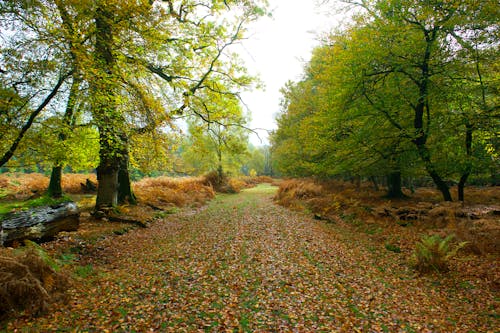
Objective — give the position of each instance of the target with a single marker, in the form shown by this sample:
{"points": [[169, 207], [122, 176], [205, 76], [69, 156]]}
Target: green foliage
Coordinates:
{"points": [[390, 93], [258, 162], [47, 259], [220, 144], [84, 271], [67, 258], [392, 248], [432, 253], [46, 201], [125, 70], [7, 207]]}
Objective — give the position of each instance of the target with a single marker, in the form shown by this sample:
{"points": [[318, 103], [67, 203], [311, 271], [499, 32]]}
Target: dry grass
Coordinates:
{"points": [[21, 186], [253, 181], [180, 192], [294, 191], [233, 184], [71, 182]]}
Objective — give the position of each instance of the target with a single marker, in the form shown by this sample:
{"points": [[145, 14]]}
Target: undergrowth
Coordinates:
{"points": [[29, 282], [364, 210], [433, 253], [164, 191]]}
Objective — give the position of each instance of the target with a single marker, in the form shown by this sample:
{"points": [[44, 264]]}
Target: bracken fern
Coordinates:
{"points": [[434, 252]]}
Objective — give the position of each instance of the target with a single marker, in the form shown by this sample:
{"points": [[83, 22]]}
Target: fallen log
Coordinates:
{"points": [[39, 224]]}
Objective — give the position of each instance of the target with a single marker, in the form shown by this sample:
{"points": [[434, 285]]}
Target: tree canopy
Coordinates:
{"points": [[125, 69], [407, 87]]}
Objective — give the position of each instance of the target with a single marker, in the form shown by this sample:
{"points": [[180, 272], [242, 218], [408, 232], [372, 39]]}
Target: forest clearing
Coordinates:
{"points": [[163, 167], [243, 263]]}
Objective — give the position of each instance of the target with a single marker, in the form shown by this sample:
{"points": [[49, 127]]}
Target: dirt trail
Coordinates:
{"points": [[244, 264]]}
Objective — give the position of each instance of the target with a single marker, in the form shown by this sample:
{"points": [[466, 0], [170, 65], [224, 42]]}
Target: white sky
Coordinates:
{"points": [[277, 50]]}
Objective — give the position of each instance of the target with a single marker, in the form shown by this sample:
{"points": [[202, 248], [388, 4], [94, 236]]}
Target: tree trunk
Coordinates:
{"points": [[125, 193], [394, 185], [422, 107], [358, 182], [429, 166], [55, 187], [105, 111], [468, 167], [220, 170], [373, 179], [461, 186], [107, 189]]}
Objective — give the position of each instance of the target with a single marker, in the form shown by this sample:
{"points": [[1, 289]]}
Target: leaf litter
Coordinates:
{"points": [[244, 264]]}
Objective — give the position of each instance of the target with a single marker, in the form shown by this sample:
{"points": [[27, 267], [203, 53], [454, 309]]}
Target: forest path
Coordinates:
{"points": [[244, 264]]}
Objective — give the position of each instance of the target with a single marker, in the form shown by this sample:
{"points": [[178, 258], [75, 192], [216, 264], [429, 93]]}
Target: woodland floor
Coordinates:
{"points": [[245, 264]]}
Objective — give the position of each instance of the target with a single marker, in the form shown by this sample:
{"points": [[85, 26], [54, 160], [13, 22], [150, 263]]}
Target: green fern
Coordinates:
{"points": [[434, 253]]}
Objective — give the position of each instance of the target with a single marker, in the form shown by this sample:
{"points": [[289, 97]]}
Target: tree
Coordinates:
{"points": [[380, 96], [218, 136], [411, 43], [140, 61], [32, 70], [259, 161]]}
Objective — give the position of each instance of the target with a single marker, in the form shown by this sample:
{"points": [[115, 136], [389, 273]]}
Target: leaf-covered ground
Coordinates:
{"points": [[244, 264]]}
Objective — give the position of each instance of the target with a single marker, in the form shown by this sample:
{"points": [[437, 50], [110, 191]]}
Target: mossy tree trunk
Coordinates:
{"points": [[125, 193], [105, 110], [55, 188]]}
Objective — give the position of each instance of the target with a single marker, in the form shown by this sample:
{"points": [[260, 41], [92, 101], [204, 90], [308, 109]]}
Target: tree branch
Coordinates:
{"points": [[7, 156]]}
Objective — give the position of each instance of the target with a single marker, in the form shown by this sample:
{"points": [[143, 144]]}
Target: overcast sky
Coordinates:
{"points": [[277, 50]]}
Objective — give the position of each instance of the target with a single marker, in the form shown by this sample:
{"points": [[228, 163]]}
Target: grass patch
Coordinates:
{"points": [[85, 271], [166, 212], [392, 248]]}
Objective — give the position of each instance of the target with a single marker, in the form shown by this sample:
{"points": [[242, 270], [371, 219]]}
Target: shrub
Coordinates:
{"points": [[298, 189], [213, 179], [434, 252], [224, 184]]}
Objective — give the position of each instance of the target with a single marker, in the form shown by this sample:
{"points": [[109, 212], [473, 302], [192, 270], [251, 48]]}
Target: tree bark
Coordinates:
{"points": [[429, 167], [107, 189], [422, 107], [105, 110], [55, 187], [373, 179]]}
